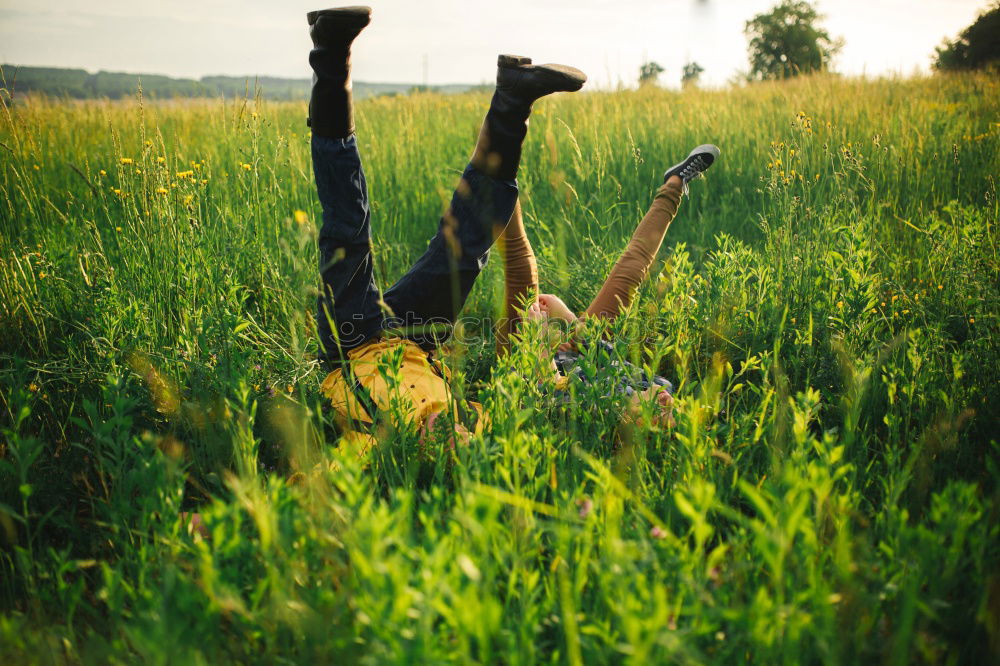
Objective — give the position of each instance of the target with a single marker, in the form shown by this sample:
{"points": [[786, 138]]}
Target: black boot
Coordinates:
{"points": [[519, 84], [332, 31]]}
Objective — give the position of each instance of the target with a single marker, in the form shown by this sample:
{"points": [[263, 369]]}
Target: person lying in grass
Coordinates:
{"points": [[379, 346], [521, 286]]}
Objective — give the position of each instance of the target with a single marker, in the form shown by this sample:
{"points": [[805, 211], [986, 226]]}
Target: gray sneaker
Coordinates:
{"points": [[697, 161]]}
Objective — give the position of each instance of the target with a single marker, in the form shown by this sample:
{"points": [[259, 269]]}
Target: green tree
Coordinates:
{"points": [[976, 47], [786, 41], [690, 74], [649, 72]]}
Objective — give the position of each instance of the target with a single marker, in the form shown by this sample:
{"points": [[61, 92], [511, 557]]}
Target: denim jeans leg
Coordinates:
{"points": [[348, 310], [433, 291]]}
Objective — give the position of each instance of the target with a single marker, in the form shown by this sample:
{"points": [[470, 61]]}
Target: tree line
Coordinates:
{"points": [[788, 40]]}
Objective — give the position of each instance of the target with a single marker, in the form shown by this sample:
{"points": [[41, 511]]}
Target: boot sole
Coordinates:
{"points": [[562, 78], [507, 60], [570, 79], [358, 15]]}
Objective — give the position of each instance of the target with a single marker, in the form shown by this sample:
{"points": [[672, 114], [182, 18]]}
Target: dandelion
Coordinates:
{"points": [[148, 143], [118, 229], [126, 160], [138, 172], [161, 160], [840, 305], [246, 167], [41, 276], [301, 217], [102, 172], [185, 174], [38, 168], [972, 320], [204, 181], [162, 190], [188, 199], [33, 387], [940, 286], [906, 312]]}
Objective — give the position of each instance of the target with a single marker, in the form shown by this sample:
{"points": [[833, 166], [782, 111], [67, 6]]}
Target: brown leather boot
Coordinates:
{"points": [[519, 84], [331, 110]]}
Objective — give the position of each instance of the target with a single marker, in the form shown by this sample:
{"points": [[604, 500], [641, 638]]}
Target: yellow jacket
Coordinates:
{"points": [[401, 381]]}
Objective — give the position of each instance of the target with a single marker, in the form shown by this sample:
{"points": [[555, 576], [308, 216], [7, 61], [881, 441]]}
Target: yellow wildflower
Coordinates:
{"points": [[188, 199], [138, 172], [33, 387], [301, 217], [246, 167], [161, 190], [972, 320], [118, 229], [41, 276], [103, 172], [161, 159], [126, 160]]}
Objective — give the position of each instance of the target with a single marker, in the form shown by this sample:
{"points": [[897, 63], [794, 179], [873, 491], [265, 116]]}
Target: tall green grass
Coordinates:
{"points": [[827, 307]]}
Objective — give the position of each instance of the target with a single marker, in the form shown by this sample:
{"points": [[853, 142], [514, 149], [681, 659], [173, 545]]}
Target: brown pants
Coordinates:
{"points": [[521, 269]]}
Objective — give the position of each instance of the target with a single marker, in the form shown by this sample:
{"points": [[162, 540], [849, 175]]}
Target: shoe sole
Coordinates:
{"points": [[563, 77], [358, 15]]}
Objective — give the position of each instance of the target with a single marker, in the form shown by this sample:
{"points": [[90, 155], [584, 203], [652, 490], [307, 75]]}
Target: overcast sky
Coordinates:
{"points": [[458, 39]]}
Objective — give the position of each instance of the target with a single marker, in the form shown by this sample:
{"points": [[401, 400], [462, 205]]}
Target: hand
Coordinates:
{"points": [[458, 435], [534, 312], [663, 416], [554, 307]]}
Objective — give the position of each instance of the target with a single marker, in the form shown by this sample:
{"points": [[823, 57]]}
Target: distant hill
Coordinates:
{"points": [[81, 84]]}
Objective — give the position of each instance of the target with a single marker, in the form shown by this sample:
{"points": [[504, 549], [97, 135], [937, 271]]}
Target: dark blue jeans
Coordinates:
{"points": [[425, 302]]}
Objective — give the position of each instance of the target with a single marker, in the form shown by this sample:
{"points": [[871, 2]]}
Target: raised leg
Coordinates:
{"points": [[520, 270], [349, 308], [632, 267], [426, 301]]}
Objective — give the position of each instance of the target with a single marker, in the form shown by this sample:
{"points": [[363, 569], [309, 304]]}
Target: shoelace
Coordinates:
{"points": [[696, 166]]}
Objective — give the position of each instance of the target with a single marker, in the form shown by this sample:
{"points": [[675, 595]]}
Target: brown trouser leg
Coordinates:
{"points": [[521, 269], [634, 264], [520, 275]]}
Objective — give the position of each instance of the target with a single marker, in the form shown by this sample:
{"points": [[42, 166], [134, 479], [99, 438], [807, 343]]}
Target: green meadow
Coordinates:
{"points": [[826, 304]]}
